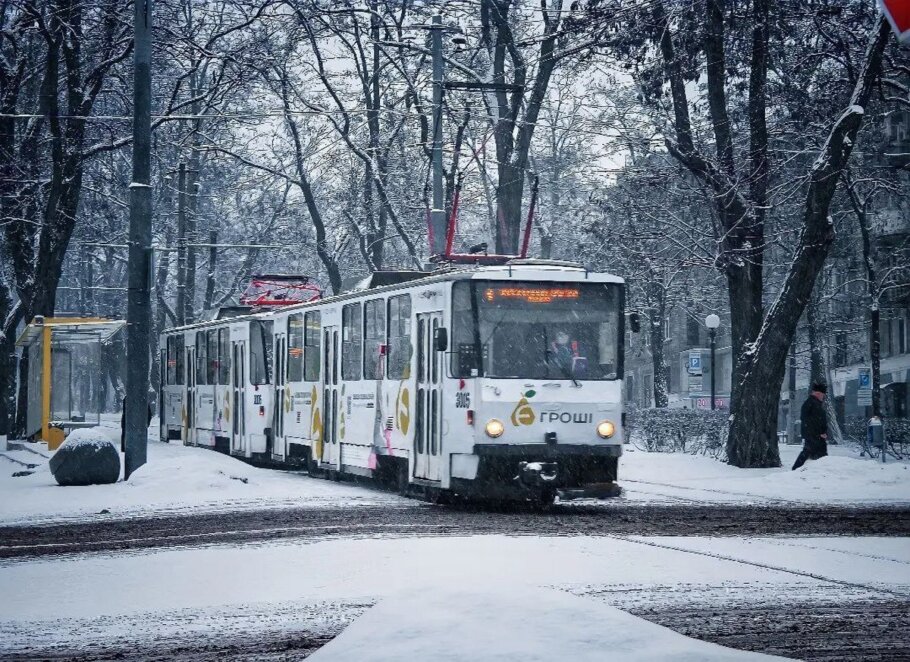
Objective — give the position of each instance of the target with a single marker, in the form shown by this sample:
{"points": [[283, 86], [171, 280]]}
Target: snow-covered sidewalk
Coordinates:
{"points": [[177, 480], [842, 478]]}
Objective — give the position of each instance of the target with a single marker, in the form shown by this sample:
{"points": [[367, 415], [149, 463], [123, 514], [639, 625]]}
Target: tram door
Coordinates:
{"points": [[279, 408], [331, 396], [189, 398], [238, 396], [427, 436]]}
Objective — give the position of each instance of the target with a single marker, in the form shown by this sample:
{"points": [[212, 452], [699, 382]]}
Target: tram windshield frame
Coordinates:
{"points": [[550, 330]]}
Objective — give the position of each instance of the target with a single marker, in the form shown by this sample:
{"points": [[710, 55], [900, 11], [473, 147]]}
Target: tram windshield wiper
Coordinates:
{"points": [[569, 373]]}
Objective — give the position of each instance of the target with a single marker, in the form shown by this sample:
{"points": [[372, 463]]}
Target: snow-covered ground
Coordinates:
{"points": [[842, 478], [522, 597], [518, 624], [179, 479], [476, 588]]}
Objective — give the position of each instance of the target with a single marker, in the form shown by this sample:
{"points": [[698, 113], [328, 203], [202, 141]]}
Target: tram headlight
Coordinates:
{"points": [[494, 428], [606, 429]]}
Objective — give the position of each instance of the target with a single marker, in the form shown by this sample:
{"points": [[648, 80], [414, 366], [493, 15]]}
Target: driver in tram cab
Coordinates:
{"points": [[561, 353]]}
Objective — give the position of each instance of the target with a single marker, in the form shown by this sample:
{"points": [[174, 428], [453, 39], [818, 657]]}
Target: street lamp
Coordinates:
{"points": [[712, 321]]}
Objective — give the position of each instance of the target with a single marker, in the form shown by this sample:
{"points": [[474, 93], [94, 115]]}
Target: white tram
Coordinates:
{"points": [[496, 381]]}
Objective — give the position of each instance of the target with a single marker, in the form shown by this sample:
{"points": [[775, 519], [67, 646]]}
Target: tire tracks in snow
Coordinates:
{"points": [[571, 519], [767, 566]]}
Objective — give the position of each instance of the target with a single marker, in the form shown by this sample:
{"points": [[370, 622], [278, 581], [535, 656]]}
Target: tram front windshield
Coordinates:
{"points": [[509, 330]]}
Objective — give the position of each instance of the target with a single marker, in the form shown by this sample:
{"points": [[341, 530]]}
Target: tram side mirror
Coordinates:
{"points": [[440, 339], [634, 322]]}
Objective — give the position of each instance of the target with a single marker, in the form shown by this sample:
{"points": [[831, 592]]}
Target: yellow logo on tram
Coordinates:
{"points": [[523, 414], [403, 410], [315, 425]]}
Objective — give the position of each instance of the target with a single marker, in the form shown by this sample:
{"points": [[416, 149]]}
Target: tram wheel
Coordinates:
{"points": [[312, 466], [546, 497], [439, 497], [402, 478]]}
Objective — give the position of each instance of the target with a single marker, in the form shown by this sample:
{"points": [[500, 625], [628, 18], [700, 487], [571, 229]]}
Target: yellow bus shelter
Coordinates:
{"points": [[64, 374]]}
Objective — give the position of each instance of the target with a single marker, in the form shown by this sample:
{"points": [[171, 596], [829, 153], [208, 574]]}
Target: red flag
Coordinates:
{"points": [[898, 14]]}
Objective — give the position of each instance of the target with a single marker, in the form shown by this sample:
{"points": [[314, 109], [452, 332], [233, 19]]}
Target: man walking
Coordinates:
{"points": [[813, 426]]}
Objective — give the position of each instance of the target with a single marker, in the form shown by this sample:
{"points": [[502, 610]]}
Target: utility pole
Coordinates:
{"points": [[138, 312], [189, 283], [437, 214], [181, 244], [210, 276]]}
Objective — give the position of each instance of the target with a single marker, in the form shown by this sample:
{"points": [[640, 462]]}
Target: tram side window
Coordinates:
{"points": [[211, 351], [311, 345], [260, 351], [171, 362], [351, 342], [175, 360], [180, 350], [295, 348], [224, 356], [399, 337], [373, 337], [201, 361]]}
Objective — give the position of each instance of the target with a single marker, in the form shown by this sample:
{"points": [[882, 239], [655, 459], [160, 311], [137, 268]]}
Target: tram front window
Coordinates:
{"points": [[510, 330]]}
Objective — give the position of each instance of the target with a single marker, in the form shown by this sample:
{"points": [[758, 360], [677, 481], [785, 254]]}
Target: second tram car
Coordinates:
{"points": [[493, 381]]}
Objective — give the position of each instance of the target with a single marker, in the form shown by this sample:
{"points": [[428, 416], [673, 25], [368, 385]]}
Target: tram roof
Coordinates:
{"points": [[528, 269]]}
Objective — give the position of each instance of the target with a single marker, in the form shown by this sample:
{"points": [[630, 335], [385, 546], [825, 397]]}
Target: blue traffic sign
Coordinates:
{"points": [[865, 378]]}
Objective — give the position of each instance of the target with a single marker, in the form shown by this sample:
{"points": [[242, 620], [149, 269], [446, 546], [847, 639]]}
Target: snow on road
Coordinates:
{"points": [[85, 600]]}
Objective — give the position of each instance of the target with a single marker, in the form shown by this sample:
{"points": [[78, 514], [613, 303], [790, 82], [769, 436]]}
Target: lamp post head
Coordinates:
{"points": [[712, 321]]}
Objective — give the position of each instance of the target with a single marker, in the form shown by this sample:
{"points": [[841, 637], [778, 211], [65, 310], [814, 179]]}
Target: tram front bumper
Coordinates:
{"points": [[549, 466], [547, 451]]}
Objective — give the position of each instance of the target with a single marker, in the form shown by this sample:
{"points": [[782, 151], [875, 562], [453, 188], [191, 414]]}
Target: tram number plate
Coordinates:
{"points": [[462, 400], [257, 399]]}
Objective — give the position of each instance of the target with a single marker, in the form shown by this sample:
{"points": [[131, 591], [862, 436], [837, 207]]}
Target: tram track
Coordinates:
{"points": [[776, 501], [570, 519]]}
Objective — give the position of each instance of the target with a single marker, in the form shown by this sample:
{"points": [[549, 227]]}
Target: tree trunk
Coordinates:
{"points": [[7, 362], [872, 287], [508, 209], [180, 305], [160, 313], [818, 369], [210, 275], [657, 313], [752, 440]]}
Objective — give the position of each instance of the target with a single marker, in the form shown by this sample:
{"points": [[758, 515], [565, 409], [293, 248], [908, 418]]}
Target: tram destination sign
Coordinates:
{"points": [[535, 294]]}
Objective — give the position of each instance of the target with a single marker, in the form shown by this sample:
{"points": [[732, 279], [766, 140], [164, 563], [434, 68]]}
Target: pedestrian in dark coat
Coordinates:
{"points": [[813, 426]]}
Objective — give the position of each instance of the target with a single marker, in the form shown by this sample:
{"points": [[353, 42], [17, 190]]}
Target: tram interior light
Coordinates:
{"points": [[494, 428], [606, 429]]}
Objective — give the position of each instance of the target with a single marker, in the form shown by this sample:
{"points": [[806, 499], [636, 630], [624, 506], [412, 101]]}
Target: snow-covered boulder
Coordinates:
{"points": [[87, 457]]}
